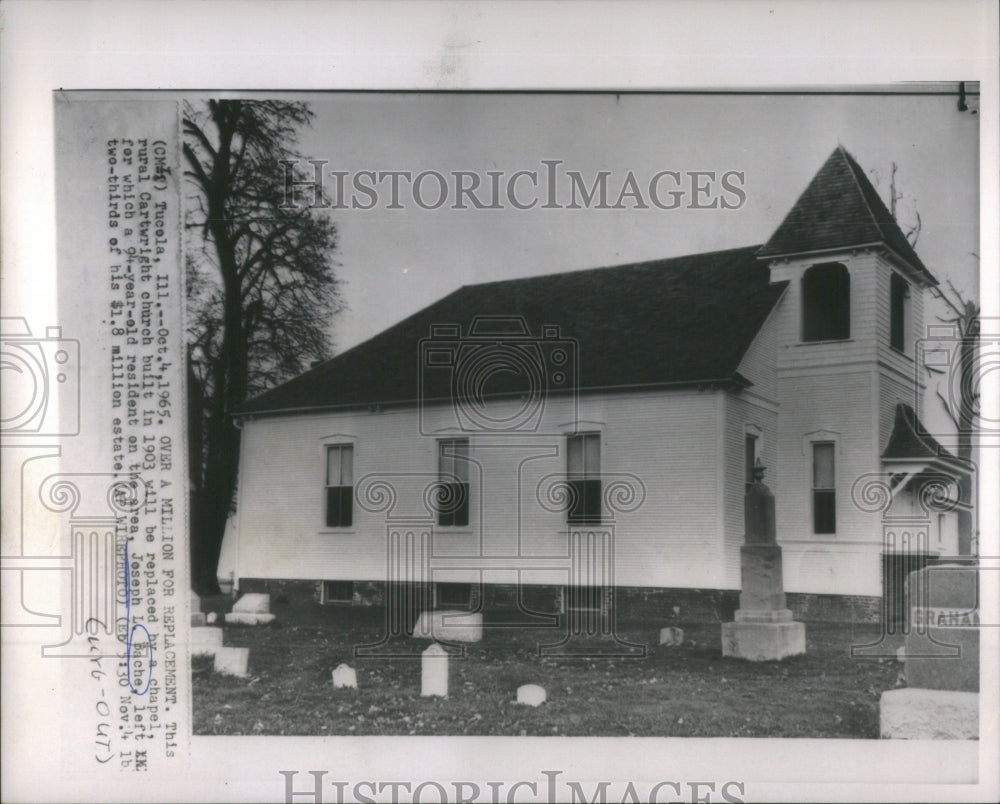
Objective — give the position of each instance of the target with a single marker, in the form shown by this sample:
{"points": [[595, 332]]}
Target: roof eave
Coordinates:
{"points": [[734, 382], [945, 464], [920, 270]]}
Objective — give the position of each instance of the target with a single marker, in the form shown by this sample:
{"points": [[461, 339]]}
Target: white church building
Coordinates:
{"points": [[564, 437]]}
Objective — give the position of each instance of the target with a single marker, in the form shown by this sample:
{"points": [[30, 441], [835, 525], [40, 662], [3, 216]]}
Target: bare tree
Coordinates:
{"points": [[962, 407], [261, 290]]}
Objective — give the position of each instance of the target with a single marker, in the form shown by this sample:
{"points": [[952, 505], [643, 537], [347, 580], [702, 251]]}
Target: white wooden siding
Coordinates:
{"points": [[792, 351], [838, 404], [668, 440], [759, 363]]}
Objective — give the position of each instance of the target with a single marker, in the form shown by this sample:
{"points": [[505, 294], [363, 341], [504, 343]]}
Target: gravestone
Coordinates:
{"points": [[763, 629], [671, 636], [345, 676], [205, 641], [531, 695], [251, 609], [942, 645], [449, 626], [941, 651], [232, 661], [434, 671], [253, 603]]}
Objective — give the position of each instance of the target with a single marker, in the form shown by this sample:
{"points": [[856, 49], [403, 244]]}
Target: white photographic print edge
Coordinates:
{"points": [[452, 47]]}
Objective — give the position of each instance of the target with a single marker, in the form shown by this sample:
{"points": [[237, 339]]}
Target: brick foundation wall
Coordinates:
{"points": [[700, 605]]}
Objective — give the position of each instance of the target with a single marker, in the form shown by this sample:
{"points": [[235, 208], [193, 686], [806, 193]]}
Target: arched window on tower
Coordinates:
{"points": [[826, 303]]}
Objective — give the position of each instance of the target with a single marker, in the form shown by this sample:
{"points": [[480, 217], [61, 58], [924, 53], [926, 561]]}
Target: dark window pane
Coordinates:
{"points": [[338, 591], [453, 488], [897, 328], [339, 506], [824, 512], [585, 502], [453, 504], [454, 594], [826, 303]]}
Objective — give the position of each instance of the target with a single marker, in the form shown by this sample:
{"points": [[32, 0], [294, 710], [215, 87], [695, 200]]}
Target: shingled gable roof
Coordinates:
{"points": [[838, 209], [687, 320], [910, 441]]}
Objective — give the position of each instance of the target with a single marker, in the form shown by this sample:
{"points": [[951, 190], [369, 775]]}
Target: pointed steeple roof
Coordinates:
{"points": [[839, 209]]}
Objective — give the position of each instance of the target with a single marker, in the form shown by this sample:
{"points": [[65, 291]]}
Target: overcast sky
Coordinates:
{"points": [[395, 261]]}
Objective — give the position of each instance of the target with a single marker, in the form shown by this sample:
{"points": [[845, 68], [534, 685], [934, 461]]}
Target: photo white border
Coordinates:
{"points": [[314, 45]]}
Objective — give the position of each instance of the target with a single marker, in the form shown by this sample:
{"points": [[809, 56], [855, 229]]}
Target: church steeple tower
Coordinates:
{"points": [[841, 209], [846, 331]]}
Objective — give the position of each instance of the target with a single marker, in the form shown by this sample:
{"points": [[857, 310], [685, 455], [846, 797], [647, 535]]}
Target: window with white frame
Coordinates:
{"points": [[824, 487], [453, 482], [339, 485], [583, 473]]}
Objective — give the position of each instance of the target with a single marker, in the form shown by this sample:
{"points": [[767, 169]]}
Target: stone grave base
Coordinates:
{"points": [[449, 626], [248, 618], [763, 636], [913, 713], [253, 603]]}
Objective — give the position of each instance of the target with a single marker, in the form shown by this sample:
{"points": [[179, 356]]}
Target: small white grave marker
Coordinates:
{"points": [[434, 671], [345, 676], [531, 695], [232, 661], [205, 641]]}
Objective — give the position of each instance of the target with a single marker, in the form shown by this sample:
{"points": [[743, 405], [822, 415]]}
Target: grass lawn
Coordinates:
{"points": [[686, 691]]}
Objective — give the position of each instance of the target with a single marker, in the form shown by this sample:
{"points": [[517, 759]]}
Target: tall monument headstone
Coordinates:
{"points": [[763, 629]]}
